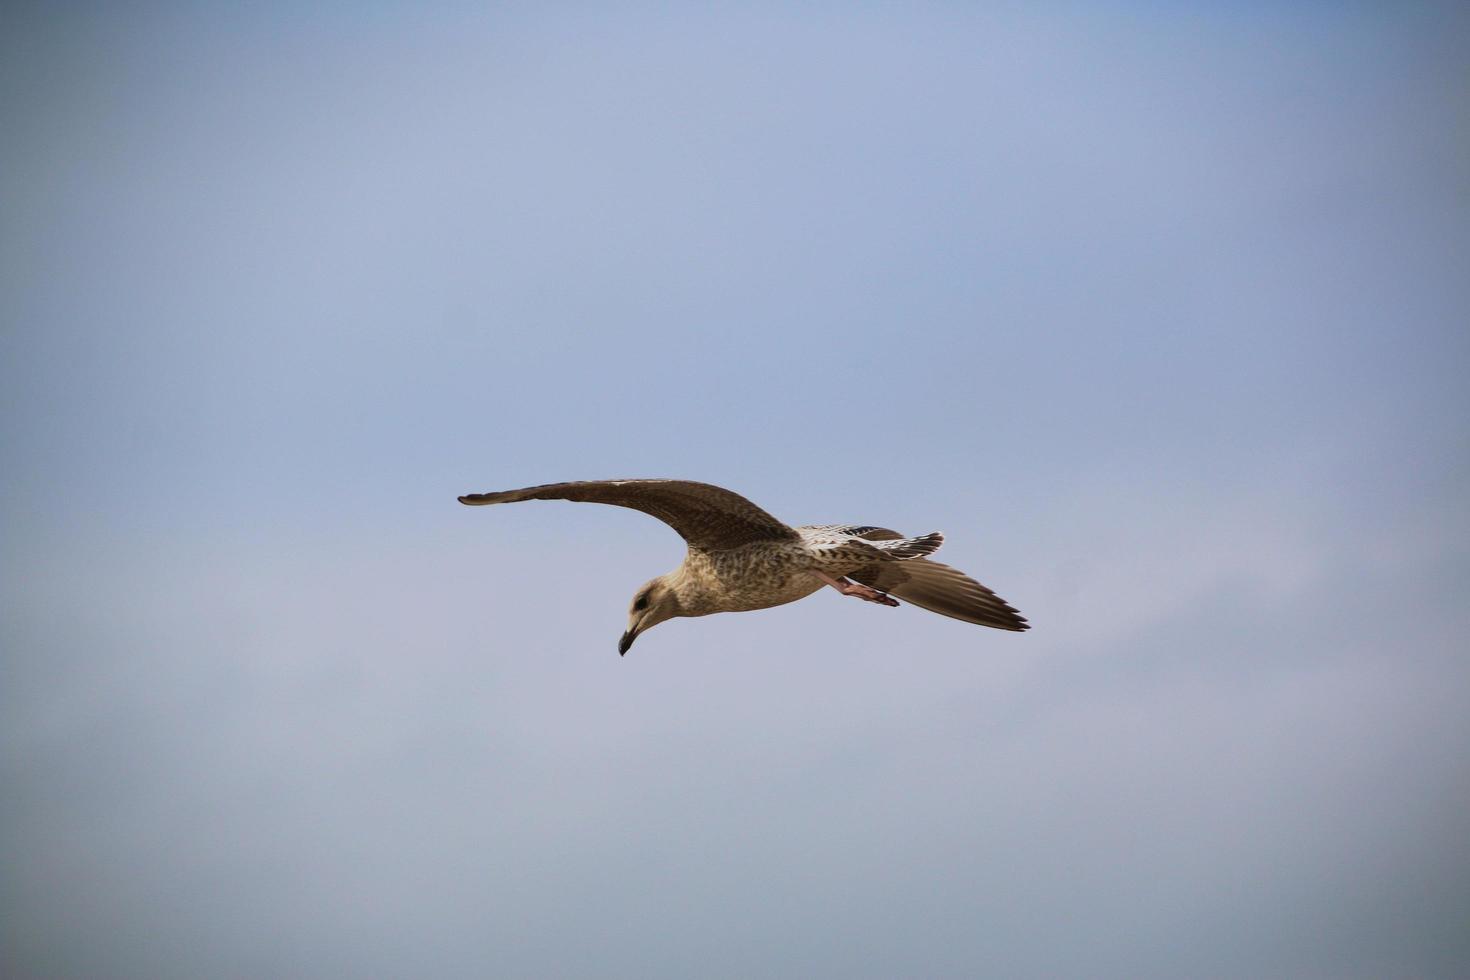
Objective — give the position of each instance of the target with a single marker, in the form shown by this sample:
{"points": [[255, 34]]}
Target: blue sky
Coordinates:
{"points": [[1158, 313]]}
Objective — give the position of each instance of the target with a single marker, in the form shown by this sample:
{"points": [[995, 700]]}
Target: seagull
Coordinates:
{"points": [[741, 558]]}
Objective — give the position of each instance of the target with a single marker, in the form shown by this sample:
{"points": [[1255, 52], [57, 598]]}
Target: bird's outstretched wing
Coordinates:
{"points": [[941, 589], [710, 518]]}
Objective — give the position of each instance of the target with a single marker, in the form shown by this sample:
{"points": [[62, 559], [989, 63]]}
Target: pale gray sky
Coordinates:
{"points": [[1159, 314]]}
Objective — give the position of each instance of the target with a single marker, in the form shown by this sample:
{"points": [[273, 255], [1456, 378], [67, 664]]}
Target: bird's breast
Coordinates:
{"points": [[753, 577]]}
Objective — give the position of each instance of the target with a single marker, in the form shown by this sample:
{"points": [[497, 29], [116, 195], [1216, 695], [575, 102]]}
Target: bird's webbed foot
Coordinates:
{"points": [[865, 592], [869, 594]]}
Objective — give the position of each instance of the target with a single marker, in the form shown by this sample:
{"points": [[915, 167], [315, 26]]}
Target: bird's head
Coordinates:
{"points": [[654, 602]]}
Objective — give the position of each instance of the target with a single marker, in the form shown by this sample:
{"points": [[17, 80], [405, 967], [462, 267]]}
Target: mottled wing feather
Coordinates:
{"points": [[708, 517], [889, 546], [857, 530], [941, 589]]}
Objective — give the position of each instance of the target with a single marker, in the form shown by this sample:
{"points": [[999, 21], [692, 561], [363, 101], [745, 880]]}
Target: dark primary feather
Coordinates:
{"points": [[941, 589], [707, 517]]}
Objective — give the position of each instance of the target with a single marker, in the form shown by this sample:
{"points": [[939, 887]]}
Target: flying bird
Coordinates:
{"points": [[741, 558]]}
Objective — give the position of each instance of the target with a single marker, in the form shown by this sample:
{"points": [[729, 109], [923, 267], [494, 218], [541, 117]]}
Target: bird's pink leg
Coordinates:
{"points": [[855, 588]]}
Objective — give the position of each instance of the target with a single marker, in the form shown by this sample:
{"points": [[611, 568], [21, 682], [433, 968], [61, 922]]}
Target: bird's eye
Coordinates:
{"points": [[642, 603]]}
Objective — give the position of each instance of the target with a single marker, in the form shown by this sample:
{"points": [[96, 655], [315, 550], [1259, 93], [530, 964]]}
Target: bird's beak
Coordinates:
{"points": [[626, 641]]}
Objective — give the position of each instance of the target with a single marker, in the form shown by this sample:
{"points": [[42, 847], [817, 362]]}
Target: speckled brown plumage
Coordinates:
{"points": [[741, 558]]}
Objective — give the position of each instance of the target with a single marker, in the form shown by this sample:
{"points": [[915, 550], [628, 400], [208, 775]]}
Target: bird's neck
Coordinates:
{"points": [[691, 589]]}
